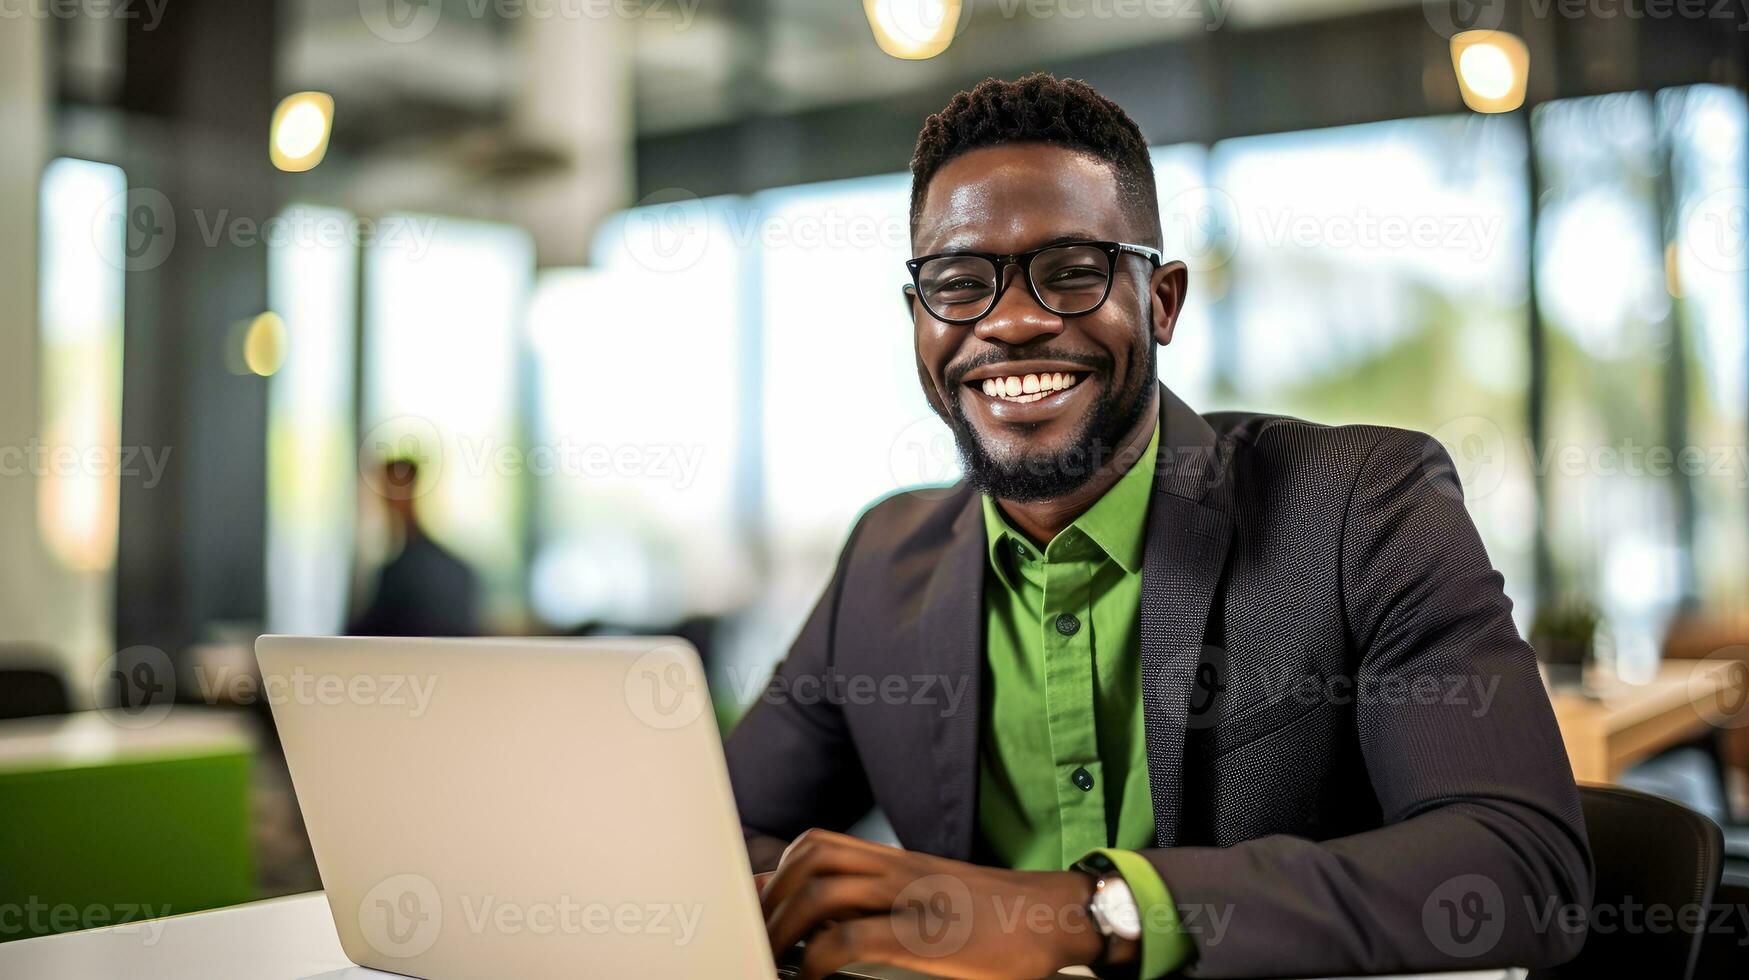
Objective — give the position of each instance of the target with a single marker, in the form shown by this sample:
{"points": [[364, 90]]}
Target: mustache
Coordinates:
{"points": [[955, 374]]}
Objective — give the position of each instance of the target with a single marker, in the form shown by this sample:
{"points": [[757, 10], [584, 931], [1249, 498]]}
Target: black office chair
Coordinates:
{"points": [[1648, 851], [1723, 953], [26, 692]]}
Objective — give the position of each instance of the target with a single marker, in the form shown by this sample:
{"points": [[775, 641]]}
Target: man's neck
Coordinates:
{"points": [[1043, 520]]}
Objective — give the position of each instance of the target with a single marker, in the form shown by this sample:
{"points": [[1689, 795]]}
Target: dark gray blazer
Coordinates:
{"points": [[1353, 762]]}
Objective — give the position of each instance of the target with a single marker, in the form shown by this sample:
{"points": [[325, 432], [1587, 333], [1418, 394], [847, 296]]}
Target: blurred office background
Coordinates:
{"points": [[623, 278]]}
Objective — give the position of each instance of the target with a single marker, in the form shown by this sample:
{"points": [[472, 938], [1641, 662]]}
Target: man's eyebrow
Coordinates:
{"points": [[958, 244]]}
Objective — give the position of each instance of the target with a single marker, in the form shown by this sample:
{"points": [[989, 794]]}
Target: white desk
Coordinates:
{"points": [[98, 738], [280, 939]]}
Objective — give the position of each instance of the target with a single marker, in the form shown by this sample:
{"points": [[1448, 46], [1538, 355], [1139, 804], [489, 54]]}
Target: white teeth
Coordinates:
{"points": [[1027, 388]]}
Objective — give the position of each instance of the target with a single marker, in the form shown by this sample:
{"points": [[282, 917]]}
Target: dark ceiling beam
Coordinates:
{"points": [[1385, 64]]}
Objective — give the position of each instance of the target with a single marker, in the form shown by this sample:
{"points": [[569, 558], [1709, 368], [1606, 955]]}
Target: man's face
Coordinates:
{"points": [[1096, 371]]}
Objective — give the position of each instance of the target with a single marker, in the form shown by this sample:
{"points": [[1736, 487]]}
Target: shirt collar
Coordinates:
{"points": [[1116, 522]]}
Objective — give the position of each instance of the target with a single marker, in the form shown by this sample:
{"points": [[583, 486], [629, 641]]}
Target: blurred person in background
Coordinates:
{"points": [[425, 590], [1171, 653]]}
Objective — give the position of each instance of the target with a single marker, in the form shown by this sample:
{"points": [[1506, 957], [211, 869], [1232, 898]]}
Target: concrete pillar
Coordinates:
{"points": [[42, 603], [575, 96]]}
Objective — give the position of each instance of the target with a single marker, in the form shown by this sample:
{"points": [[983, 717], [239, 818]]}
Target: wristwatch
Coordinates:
{"points": [[1113, 907]]}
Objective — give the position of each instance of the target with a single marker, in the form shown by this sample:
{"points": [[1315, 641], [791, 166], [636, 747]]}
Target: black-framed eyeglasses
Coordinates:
{"points": [[1067, 278]]}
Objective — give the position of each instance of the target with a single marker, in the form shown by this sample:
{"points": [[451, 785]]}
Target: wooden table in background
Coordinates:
{"points": [[1619, 723]]}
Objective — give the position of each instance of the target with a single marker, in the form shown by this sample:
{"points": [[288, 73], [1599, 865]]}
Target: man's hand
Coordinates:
{"points": [[857, 902]]}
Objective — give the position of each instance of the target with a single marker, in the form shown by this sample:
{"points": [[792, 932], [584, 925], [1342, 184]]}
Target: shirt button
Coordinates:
{"points": [[1020, 550], [1082, 779], [1067, 624]]}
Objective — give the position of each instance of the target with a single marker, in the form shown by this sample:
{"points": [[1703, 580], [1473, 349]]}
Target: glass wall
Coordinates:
{"points": [[1611, 515], [312, 283], [444, 306], [845, 419], [1378, 276], [638, 391], [84, 253], [1195, 224], [1708, 230]]}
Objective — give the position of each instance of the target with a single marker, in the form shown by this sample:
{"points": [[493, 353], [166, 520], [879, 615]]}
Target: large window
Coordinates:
{"points": [[1610, 513], [1377, 275], [311, 458], [845, 419], [1194, 218], [444, 308], [1707, 128], [84, 253], [639, 411]]}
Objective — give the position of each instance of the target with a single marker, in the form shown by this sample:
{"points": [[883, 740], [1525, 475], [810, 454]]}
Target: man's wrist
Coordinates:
{"points": [[1112, 912], [1077, 938]]}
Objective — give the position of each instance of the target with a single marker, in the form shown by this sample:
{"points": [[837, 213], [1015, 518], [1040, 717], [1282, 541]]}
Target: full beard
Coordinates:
{"points": [[1029, 477]]}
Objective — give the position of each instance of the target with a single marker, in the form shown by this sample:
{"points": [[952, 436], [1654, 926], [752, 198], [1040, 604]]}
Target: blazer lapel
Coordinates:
{"points": [[953, 637], [1188, 536]]}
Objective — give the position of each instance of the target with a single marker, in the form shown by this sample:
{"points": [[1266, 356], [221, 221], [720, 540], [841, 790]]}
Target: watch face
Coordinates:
{"points": [[1115, 908]]}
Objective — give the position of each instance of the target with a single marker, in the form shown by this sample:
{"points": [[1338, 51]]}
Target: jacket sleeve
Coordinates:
{"points": [[1482, 855], [791, 759]]}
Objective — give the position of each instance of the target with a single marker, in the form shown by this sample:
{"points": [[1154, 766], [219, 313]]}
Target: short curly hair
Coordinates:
{"points": [[1041, 107]]}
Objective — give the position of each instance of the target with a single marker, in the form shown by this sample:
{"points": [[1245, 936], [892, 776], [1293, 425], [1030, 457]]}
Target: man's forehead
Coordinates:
{"points": [[1014, 197]]}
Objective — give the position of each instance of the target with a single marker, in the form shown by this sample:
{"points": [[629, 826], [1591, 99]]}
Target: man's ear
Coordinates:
{"points": [[923, 378], [1169, 284]]}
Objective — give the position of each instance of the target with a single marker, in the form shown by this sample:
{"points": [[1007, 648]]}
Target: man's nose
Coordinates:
{"points": [[1018, 317]]}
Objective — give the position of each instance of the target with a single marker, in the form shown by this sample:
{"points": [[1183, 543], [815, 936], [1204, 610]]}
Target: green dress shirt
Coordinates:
{"points": [[1063, 764]]}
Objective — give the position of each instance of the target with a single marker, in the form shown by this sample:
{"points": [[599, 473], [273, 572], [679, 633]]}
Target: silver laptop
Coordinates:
{"points": [[518, 807]]}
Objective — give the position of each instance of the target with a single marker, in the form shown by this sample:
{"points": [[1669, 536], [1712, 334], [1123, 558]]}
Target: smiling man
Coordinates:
{"points": [[1244, 696]]}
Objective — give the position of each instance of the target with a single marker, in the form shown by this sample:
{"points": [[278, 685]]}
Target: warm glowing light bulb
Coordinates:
{"points": [[1492, 69], [1486, 70], [301, 130], [301, 126], [264, 344], [913, 29]]}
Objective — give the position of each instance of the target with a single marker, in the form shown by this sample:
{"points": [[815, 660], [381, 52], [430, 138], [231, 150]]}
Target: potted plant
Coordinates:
{"points": [[1564, 633]]}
